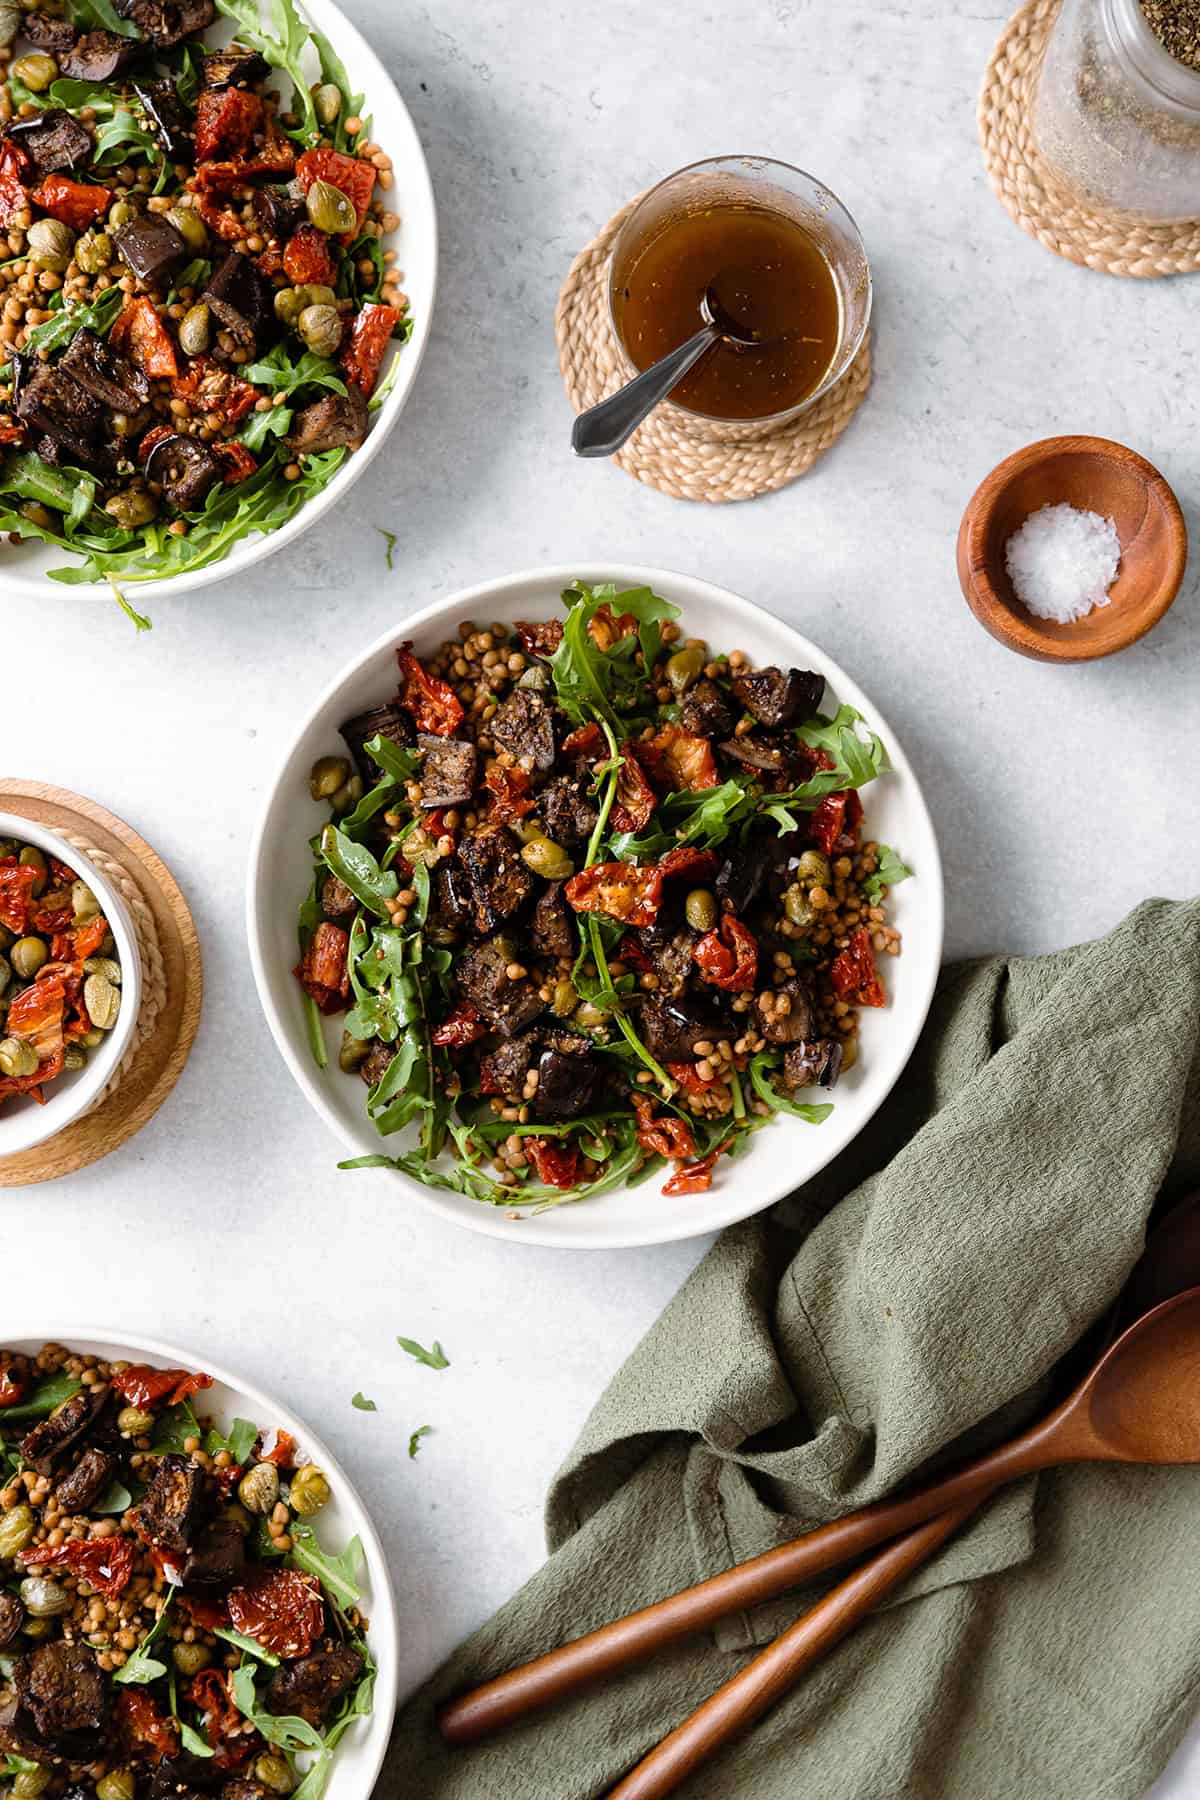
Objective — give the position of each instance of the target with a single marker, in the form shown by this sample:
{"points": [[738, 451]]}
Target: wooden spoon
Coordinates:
{"points": [[1140, 1404]]}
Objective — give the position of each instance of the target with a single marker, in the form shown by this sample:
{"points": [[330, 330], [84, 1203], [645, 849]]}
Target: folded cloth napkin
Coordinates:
{"points": [[821, 1355]]}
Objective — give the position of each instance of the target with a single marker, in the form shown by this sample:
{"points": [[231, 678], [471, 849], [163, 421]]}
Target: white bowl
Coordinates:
{"points": [[360, 1754], [785, 1153], [23, 1123], [25, 564]]}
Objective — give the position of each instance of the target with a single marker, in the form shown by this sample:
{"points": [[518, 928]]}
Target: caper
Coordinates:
{"points": [[588, 1016], [195, 330], [327, 101], [814, 869], [131, 507], [133, 1422], [31, 1784], [17, 1058], [352, 1054], [103, 965], [189, 1659], [50, 244], [565, 998], [347, 796], [94, 252], [37, 514], [44, 1599], [684, 667], [121, 1784], [796, 906], [122, 212], [288, 305], [311, 293], [16, 1531], [37, 1628], [74, 1058], [103, 1001], [190, 226], [320, 328], [419, 847], [271, 1770], [35, 72], [327, 775], [329, 209], [10, 22], [258, 1490], [32, 858], [700, 909], [310, 1490], [122, 424], [92, 1037], [546, 858]]}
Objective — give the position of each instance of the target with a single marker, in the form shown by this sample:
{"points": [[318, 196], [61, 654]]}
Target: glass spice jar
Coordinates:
{"points": [[1116, 115]]}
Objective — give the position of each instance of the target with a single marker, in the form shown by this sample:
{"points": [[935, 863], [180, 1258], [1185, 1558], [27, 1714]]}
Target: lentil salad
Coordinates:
{"points": [[197, 302], [594, 899], [171, 1624]]}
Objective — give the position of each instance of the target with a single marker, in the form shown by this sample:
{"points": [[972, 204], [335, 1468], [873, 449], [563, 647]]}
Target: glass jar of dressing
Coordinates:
{"points": [[784, 259], [1116, 114]]}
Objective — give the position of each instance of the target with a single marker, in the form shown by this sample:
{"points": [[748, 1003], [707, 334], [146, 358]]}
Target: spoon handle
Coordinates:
{"points": [[756, 1688], [603, 428]]}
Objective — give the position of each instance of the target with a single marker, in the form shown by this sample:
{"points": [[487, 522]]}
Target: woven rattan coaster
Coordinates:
{"points": [[172, 982], [690, 460], [1116, 243]]}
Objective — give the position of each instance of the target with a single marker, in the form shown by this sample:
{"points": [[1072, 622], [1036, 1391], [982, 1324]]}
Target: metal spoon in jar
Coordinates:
{"points": [[603, 428]]}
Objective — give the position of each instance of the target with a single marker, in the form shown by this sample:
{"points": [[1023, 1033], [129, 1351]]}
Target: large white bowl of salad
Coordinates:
{"points": [[218, 251], [594, 907]]}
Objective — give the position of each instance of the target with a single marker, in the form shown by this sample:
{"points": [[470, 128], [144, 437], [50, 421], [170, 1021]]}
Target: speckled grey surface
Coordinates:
{"points": [[1062, 796]]}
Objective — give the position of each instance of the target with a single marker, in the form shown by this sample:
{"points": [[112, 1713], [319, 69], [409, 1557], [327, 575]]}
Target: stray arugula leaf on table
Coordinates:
{"points": [[362, 1404], [432, 1359], [414, 1442]]}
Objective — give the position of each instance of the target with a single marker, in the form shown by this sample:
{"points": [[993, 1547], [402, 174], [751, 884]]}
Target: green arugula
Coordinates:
{"points": [[890, 873], [283, 52], [362, 1404], [116, 1498], [594, 684], [760, 1067], [390, 541], [338, 1575], [141, 1667], [101, 15], [354, 864], [47, 1396], [282, 375], [311, 914], [414, 1442], [68, 318], [239, 1440], [174, 1427], [432, 1359], [249, 1645]]}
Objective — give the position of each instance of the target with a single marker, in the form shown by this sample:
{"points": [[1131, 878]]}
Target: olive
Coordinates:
{"points": [[32, 858], [312, 293], [327, 100], [133, 1422], [130, 508], [700, 909], [258, 1490], [74, 1058], [10, 22], [195, 329], [320, 328], [327, 775], [310, 1490], [121, 1784], [565, 998], [16, 1531], [329, 209], [122, 212], [814, 869], [17, 1058], [190, 226], [271, 1770], [684, 667], [347, 796], [189, 1659], [35, 72], [28, 955], [44, 1599], [353, 1053], [31, 1783], [103, 965], [103, 1001], [94, 252], [50, 244], [546, 858], [796, 907]]}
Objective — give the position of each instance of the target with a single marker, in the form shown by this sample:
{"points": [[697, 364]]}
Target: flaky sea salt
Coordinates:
{"points": [[1062, 562]]}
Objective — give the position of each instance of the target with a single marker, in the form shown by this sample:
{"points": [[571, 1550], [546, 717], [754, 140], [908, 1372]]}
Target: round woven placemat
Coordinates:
{"points": [[172, 982], [1115, 243], [688, 459]]}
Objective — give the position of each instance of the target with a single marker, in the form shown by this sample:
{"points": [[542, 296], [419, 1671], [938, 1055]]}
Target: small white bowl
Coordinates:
{"points": [[23, 1123], [787, 1152], [360, 1754]]}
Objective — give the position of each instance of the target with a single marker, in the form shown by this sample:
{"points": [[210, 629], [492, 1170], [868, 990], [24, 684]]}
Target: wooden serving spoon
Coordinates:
{"points": [[1139, 1404]]}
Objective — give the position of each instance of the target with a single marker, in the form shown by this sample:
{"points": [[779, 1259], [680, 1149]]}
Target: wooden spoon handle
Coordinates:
{"points": [[511, 1696], [757, 1687]]}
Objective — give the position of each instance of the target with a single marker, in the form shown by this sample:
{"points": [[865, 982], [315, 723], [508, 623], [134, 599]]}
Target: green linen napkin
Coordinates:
{"points": [[821, 1355]]}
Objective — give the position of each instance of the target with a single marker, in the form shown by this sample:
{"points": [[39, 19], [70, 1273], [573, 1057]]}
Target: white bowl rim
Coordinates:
{"points": [[73, 1100], [257, 547], [490, 1220], [89, 1338]]}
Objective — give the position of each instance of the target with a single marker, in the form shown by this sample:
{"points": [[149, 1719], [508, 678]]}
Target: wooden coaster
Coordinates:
{"points": [[172, 978], [1116, 243], [690, 459]]}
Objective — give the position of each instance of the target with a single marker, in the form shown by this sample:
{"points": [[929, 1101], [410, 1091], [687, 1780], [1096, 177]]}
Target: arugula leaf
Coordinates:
{"points": [[334, 70], [17, 1765], [354, 864], [116, 1498], [857, 760], [137, 619], [141, 1667], [283, 52], [890, 873], [284, 1731], [362, 1404], [414, 1442], [383, 388], [394, 759], [239, 1441], [432, 1359], [54, 332], [278, 372], [759, 1068], [174, 1428], [338, 1575], [389, 538], [101, 15], [589, 681], [276, 421], [47, 1395], [249, 1645]]}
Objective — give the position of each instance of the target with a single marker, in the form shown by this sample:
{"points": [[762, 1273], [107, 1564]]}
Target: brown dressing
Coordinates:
{"points": [[769, 273]]}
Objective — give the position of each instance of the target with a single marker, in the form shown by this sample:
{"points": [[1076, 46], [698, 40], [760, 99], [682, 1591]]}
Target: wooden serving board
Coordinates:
{"points": [[157, 1061]]}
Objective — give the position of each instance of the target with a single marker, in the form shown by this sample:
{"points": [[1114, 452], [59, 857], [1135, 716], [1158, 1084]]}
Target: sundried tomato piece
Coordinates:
{"points": [[141, 332], [209, 1694], [206, 1610], [278, 1447], [143, 1386], [74, 203], [695, 1177], [13, 197], [36, 1015], [540, 639], [144, 1727], [852, 822], [431, 701], [239, 462], [460, 1027], [272, 158], [825, 826], [155, 435], [584, 742], [512, 793], [323, 971], [728, 956], [280, 1609], [664, 1135], [854, 975], [636, 799], [680, 760], [226, 121], [555, 1165], [632, 894], [307, 258], [104, 1563], [685, 859], [352, 175], [220, 219], [12, 1390], [17, 882], [631, 953], [363, 353], [605, 630]]}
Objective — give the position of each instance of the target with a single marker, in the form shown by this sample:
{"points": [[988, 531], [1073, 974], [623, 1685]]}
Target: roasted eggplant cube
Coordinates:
{"points": [[673, 1028], [780, 696], [278, 212], [100, 56], [52, 141], [499, 881], [233, 67], [176, 1504], [218, 1556], [786, 1014], [105, 374], [55, 35], [387, 721], [509, 1006], [169, 118], [570, 1081], [92, 1474], [524, 725], [568, 810], [243, 300], [49, 1443], [167, 22], [328, 423], [447, 770], [61, 1696], [310, 1689], [705, 711], [185, 469], [816, 1064], [552, 927], [151, 248]]}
